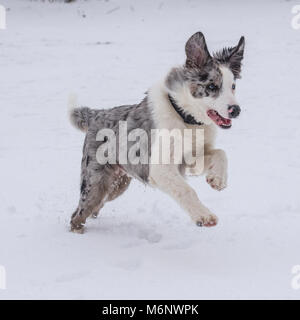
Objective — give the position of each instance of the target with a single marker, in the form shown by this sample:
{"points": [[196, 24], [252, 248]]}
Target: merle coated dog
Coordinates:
{"points": [[197, 95]]}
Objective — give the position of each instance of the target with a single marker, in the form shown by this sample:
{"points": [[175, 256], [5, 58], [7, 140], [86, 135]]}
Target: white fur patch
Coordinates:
{"points": [[165, 117], [226, 97]]}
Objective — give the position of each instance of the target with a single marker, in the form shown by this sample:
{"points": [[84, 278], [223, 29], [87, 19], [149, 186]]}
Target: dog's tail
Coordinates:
{"points": [[79, 117]]}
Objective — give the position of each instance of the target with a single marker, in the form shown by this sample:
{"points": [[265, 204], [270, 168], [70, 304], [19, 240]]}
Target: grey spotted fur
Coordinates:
{"points": [[232, 57], [100, 183]]}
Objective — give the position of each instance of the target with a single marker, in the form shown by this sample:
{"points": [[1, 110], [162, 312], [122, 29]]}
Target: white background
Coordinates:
{"points": [[143, 245]]}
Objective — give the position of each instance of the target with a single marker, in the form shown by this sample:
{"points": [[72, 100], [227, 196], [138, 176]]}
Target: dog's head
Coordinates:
{"points": [[205, 86]]}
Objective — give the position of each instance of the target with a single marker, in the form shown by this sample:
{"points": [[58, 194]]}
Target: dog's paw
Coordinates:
{"points": [[217, 182], [77, 228], [209, 220]]}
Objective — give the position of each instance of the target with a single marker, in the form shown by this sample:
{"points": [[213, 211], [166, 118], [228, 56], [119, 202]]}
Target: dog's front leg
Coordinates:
{"points": [[168, 179], [216, 168]]}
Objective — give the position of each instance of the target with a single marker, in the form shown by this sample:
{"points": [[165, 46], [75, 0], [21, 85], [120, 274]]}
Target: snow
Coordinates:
{"points": [[143, 245]]}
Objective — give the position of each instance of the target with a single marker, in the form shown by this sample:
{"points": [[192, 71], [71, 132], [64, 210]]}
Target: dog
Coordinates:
{"points": [[197, 95]]}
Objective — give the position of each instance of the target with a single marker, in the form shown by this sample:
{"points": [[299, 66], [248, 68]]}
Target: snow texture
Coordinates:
{"points": [[143, 245]]}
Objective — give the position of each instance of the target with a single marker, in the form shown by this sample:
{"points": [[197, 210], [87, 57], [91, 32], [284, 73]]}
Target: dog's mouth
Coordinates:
{"points": [[218, 119]]}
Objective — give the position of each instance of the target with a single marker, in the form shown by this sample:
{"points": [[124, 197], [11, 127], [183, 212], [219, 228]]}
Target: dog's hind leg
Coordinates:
{"points": [[119, 186], [97, 187], [92, 198]]}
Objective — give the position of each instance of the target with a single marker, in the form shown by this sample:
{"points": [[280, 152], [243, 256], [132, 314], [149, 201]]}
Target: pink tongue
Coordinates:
{"points": [[218, 119]]}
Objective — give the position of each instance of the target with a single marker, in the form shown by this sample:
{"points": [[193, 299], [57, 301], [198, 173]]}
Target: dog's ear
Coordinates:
{"points": [[197, 54], [236, 57], [232, 57]]}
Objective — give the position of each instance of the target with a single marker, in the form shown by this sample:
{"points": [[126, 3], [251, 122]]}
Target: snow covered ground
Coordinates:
{"points": [[144, 245]]}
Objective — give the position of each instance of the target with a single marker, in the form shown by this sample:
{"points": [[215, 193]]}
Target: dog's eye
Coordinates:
{"points": [[233, 86], [212, 87]]}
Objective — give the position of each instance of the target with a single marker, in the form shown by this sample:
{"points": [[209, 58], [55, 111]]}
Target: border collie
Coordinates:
{"points": [[199, 95]]}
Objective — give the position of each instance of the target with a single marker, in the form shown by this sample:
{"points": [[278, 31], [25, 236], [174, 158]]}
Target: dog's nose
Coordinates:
{"points": [[234, 111]]}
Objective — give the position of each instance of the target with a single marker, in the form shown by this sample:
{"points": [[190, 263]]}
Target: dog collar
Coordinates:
{"points": [[186, 117]]}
